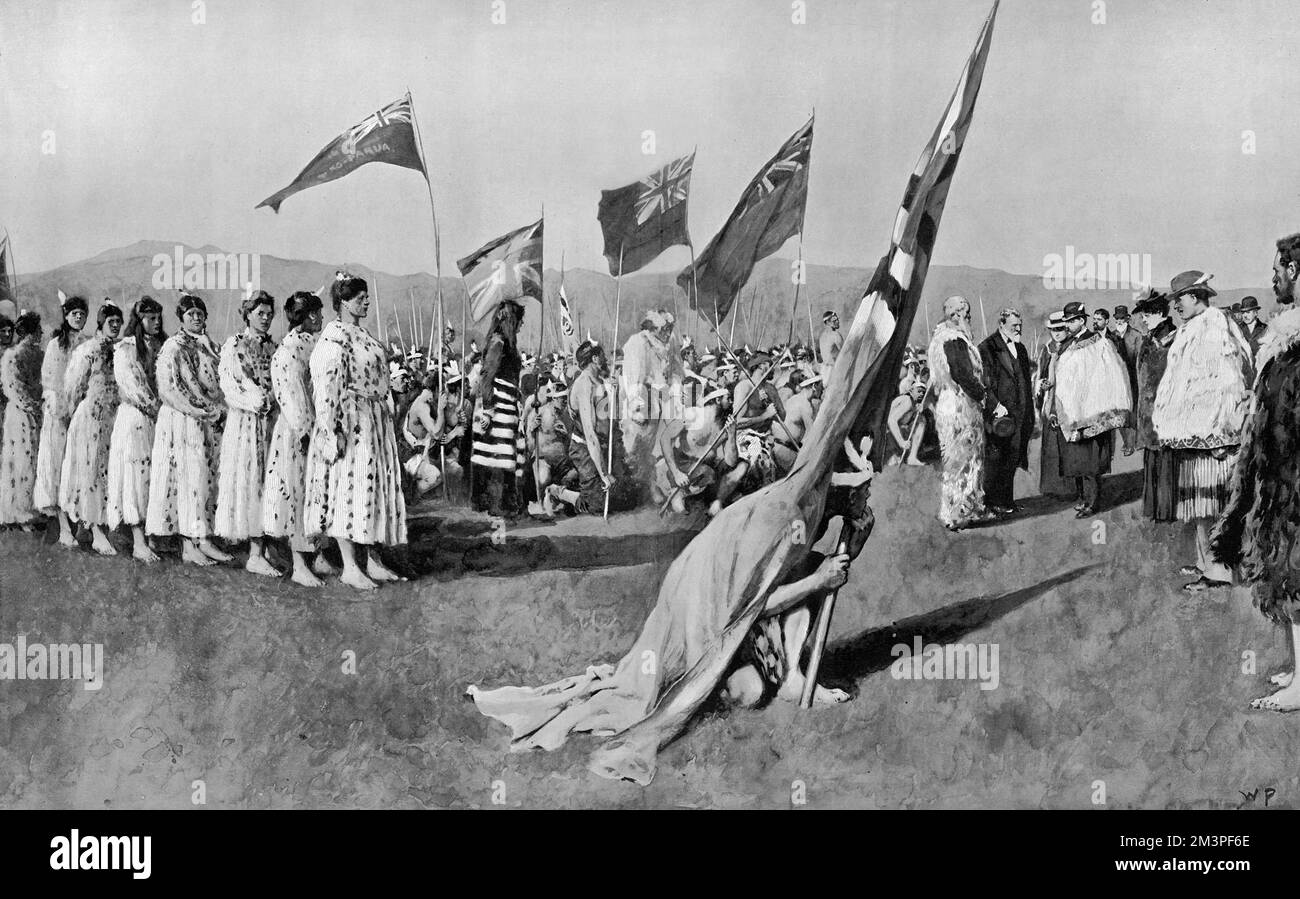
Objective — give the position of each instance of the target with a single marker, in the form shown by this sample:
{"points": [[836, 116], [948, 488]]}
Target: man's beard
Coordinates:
{"points": [[1285, 296], [963, 326]]}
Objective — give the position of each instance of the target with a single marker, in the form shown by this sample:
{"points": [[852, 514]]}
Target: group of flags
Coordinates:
{"points": [[639, 221]]}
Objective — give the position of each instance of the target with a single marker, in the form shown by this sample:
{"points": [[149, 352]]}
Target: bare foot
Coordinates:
{"points": [[714, 508], [195, 556], [322, 566], [99, 543], [378, 572], [354, 578], [67, 539], [144, 553], [1282, 679], [257, 564], [679, 504], [1285, 700], [213, 553], [792, 691], [303, 577]]}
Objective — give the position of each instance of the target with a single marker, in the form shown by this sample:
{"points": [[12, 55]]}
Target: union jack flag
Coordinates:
{"points": [[507, 268], [397, 111], [664, 189], [642, 219]]}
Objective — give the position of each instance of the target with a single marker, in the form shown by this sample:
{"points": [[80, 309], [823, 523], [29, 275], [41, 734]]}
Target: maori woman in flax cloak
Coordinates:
{"points": [[131, 444], [20, 379], [183, 468], [354, 488], [91, 392], [286, 462], [54, 426], [245, 373]]}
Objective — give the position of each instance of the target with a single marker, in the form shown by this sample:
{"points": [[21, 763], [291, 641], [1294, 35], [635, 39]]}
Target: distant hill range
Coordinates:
{"points": [[763, 311]]}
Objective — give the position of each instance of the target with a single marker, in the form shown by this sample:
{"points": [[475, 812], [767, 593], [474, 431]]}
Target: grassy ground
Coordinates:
{"points": [[1107, 673]]}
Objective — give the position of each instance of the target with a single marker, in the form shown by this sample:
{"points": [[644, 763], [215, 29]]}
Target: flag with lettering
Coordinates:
{"points": [[646, 217], [769, 213], [507, 268], [387, 135]]}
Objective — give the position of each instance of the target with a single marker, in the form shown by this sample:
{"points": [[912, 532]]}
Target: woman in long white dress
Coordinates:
{"points": [[354, 490], [131, 444], [20, 379], [286, 464], [245, 374], [90, 390], [183, 466], [54, 424]]}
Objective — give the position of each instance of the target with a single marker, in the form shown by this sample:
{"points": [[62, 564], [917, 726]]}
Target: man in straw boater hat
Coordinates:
{"points": [[1089, 398], [1260, 523], [958, 381], [1251, 326], [1050, 481], [1199, 412], [1159, 463]]}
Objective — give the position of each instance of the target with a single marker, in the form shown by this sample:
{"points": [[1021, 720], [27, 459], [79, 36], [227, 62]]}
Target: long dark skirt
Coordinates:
{"points": [[1088, 458], [1050, 481], [1160, 484]]}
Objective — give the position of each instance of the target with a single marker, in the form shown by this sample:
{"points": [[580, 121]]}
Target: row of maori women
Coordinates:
{"points": [[173, 436]]}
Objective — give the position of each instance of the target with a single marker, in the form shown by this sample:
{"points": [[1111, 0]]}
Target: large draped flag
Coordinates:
{"points": [[646, 217], [384, 136], [769, 213], [715, 591], [507, 268]]}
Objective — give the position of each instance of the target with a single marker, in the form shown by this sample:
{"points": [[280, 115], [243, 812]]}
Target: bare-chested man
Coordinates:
{"points": [[423, 429], [699, 437], [829, 341], [591, 402], [800, 410]]}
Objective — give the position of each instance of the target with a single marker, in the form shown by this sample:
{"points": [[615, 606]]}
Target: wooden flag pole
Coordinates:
{"points": [[613, 355], [433, 212], [823, 627], [983, 321]]}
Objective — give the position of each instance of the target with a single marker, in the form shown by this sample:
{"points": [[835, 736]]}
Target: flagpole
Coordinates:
{"points": [[442, 403], [613, 354], [983, 321], [433, 212]]}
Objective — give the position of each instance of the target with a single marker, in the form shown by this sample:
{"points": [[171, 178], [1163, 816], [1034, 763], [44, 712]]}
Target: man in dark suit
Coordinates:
{"points": [[1128, 340], [1251, 326], [1007, 371]]}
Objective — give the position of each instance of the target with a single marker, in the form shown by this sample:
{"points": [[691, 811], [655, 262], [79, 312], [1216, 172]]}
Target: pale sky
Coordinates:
{"points": [[1123, 137]]}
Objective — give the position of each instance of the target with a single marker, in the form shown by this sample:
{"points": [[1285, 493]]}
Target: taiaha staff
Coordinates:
{"points": [[609, 467]]}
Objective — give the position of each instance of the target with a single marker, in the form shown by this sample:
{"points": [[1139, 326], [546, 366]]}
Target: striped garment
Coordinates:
{"points": [[1203, 484], [499, 447]]}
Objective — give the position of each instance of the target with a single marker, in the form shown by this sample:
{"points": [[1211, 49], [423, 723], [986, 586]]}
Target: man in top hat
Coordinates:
{"points": [[1251, 326], [1050, 481], [1008, 376], [1199, 412], [1090, 397], [829, 342], [1260, 524], [1159, 464]]}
